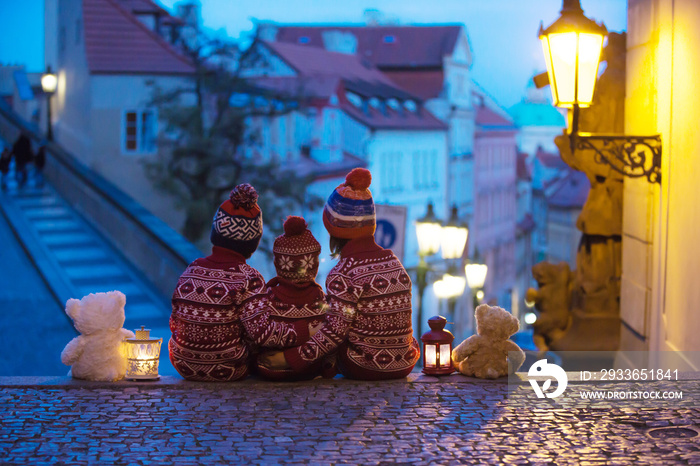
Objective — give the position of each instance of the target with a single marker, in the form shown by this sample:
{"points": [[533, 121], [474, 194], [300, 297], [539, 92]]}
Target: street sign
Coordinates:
{"points": [[391, 228]]}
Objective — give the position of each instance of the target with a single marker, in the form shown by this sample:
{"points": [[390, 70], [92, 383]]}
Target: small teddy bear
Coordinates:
{"points": [[486, 354], [98, 353]]}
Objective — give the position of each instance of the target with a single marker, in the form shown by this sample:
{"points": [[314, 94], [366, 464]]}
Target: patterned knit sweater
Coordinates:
{"points": [[207, 341], [280, 317], [368, 319]]}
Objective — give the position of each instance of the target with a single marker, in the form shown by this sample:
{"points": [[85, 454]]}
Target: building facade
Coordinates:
{"points": [[109, 57], [660, 256]]}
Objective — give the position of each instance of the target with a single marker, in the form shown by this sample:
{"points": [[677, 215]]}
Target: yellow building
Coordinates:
{"points": [[660, 298]]}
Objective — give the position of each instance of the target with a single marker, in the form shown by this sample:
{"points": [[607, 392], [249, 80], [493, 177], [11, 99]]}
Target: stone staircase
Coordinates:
{"points": [[74, 259]]}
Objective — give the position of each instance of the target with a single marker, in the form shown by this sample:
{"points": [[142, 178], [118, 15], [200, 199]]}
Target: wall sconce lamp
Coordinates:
{"points": [[572, 47]]}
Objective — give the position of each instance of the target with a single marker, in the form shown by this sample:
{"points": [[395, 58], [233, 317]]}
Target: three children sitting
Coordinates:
{"points": [[226, 321]]}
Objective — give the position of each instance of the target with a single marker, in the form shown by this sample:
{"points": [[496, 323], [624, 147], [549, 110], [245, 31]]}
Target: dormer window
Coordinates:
{"points": [[304, 40], [411, 106], [354, 99], [375, 103], [393, 104], [389, 39]]}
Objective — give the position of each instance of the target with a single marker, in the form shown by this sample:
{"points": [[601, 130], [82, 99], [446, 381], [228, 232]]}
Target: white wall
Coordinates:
{"points": [[660, 296]]}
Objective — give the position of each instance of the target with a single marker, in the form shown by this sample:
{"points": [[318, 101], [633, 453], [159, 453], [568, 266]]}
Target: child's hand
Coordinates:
{"points": [[273, 360], [314, 328]]}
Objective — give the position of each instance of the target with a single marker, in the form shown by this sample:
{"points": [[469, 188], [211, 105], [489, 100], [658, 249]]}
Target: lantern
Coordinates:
{"points": [[142, 355], [454, 237], [429, 232], [572, 47], [437, 348]]}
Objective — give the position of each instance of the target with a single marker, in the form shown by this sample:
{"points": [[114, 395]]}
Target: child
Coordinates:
{"points": [[368, 292], [293, 303], [207, 335]]}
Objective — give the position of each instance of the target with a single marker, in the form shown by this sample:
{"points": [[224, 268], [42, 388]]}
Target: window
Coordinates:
{"points": [[304, 40], [140, 131]]}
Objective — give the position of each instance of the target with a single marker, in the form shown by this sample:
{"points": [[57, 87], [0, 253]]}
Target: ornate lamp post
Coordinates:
{"points": [[453, 241], [49, 83], [429, 232], [475, 272], [572, 46]]}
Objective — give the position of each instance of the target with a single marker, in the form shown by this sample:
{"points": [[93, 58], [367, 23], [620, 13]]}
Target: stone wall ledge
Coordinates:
{"points": [[415, 377]]}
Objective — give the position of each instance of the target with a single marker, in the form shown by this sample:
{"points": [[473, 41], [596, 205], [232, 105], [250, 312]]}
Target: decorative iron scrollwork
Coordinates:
{"points": [[632, 156]]}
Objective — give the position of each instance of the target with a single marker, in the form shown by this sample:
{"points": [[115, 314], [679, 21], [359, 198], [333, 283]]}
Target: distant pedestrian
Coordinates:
{"points": [[5, 159], [22, 152], [39, 162]]}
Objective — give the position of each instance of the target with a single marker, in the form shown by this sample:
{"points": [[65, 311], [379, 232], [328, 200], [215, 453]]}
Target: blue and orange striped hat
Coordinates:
{"points": [[349, 211]]}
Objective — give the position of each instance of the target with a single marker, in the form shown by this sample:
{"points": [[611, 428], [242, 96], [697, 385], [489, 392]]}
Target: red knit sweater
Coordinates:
{"points": [[280, 318], [368, 319], [207, 335]]}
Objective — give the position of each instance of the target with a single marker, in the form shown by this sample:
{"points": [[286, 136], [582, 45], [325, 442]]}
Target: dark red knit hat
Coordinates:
{"points": [[238, 223], [296, 252]]}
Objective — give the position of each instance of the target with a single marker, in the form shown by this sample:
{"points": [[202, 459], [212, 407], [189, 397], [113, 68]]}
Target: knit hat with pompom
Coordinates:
{"points": [[296, 252], [238, 224], [349, 211]]}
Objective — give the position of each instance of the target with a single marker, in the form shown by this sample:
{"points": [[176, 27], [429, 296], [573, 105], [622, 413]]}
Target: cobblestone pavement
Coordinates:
{"points": [[340, 421]]}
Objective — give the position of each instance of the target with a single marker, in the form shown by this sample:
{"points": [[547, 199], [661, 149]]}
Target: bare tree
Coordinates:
{"points": [[205, 131]]}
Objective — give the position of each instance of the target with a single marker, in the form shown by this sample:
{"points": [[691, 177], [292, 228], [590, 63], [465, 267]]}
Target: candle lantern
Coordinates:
{"points": [[437, 348], [142, 355]]}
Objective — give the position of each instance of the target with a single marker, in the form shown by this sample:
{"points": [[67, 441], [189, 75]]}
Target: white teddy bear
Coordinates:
{"points": [[98, 353]]}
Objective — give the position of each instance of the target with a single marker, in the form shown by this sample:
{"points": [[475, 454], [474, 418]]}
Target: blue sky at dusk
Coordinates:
{"points": [[502, 33]]}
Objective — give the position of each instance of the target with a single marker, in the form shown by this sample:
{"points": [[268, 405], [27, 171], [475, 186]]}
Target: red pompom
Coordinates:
{"points": [[244, 196], [294, 226], [359, 179]]}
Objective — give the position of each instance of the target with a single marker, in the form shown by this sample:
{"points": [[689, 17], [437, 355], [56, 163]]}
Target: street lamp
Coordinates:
{"points": [[572, 47], [454, 237], [49, 83], [429, 232], [452, 243], [475, 272]]}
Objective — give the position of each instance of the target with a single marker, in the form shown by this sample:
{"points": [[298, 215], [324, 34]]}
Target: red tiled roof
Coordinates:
{"points": [[570, 191], [385, 46], [316, 61], [323, 73], [421, 119], [117, 42], [426, 84]]}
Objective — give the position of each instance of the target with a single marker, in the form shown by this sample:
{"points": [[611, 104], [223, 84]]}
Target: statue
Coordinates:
{"points": [[594, 292]]}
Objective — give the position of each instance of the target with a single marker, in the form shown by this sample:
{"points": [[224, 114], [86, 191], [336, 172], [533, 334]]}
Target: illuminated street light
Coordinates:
{"points": [[450, 286], [429, 232], [49, 83], [454, 237], [572, 47]]}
